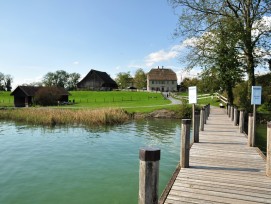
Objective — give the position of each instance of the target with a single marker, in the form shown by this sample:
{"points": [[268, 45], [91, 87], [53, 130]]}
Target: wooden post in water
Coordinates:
{"points": [[268, 150], [235, 117], [202, 113], [185, 143], [241, 121], [254, 125], [232, 113], [193, 120], [250, 130], [148, 175], [205, 114], [197, 123]]}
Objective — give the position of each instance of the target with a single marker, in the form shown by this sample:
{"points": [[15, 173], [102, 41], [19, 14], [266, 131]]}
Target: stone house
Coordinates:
{"points": [[161, 79]]}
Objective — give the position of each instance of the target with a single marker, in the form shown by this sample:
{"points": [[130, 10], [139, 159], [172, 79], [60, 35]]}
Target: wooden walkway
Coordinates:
{"points": [[223, 169]]}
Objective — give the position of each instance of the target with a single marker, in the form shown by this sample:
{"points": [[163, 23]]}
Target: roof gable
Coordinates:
{"points": [[102, 75]]}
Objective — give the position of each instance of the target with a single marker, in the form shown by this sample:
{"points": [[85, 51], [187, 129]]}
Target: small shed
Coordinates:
{"points": [[24, 95], [97, 80]]}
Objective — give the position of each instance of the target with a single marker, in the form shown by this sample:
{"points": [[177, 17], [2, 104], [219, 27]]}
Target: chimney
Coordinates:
{"points": [[158, 67], [162, 67]]}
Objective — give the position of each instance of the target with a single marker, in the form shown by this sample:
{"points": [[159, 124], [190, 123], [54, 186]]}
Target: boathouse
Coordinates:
{"points": [[24, 95]]}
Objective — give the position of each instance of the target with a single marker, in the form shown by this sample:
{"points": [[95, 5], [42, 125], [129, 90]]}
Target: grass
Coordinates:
{"points": [[51, 117], [6, 100], [120, 99]]}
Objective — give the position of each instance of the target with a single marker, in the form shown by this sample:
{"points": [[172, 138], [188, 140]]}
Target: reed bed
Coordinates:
{"points": [[51, 117]]}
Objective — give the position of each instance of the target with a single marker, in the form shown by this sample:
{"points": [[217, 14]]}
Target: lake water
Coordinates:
{"points": [[80, 165]]}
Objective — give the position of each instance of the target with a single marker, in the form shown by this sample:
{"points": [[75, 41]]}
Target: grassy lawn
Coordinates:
{"points": [[6, 99], [122, 99]]}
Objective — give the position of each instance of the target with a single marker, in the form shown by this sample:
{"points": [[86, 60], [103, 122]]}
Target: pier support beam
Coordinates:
{"points": [[148, 175], [268, 150], [185, 143]]}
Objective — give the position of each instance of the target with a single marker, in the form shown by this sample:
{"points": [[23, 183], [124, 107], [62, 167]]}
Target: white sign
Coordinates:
{"points": [[256, 95], [192, 91]]}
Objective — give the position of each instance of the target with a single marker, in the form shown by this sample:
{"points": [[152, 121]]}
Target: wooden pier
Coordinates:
{"points": [[222, 169]]}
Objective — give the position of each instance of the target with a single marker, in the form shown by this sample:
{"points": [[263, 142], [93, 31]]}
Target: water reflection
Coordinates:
{"points": [[95, 165]]}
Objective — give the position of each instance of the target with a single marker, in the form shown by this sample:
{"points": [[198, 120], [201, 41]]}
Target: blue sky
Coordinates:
{"points": [[41, 36]]}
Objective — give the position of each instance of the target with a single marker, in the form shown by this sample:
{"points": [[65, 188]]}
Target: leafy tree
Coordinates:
{"points": [[123, 79], [61, 78], [2, 85], [198, 17], [7, 81], [73, 80], [140, 79]]}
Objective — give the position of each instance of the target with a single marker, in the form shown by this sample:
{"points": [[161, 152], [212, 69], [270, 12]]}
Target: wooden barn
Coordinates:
{"points": [[24, 95], [96, 80]]}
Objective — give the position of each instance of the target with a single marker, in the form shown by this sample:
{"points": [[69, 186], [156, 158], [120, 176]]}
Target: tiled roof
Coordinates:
{"points": [[31, 90], [162, 74]]}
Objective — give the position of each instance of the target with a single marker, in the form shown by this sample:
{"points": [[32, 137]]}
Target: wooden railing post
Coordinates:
{"points": [[205, 114], [197, 123], [148, 175], [235, 116], [232, 113], [250, 130], [268, 150], [202, 113], [241, 121], [185, 143]]}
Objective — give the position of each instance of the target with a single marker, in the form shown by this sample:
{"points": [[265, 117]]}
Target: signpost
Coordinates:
{"points": [[192, 96], [256, 99]]}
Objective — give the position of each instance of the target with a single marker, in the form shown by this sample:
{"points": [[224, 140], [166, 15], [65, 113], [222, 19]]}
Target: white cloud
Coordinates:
{"points": [[75, 63], [163, 55]]}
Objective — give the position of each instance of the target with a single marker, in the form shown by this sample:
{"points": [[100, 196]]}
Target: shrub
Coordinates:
{"points": [[47, 96]]}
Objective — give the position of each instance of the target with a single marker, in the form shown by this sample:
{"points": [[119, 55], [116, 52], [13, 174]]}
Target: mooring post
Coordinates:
{"points": [[229, 111], [202, 113], [268, 150], [148, 175], [205, 114], [197, 123], [209, 109], [254, 125], [232, 112], [250, 130], [227, 108], [235, 118], [241, 121], [185, 143], [193, 120]]}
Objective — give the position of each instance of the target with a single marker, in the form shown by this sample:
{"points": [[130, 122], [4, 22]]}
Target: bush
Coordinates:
{"points": [[47, 96], [185, 111]]}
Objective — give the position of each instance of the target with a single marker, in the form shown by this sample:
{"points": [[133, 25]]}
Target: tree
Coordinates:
{"points": [[2, 85], [123, 79], [140, 79], [61, 78], [73, 80], [7, 81], [198, 17]]}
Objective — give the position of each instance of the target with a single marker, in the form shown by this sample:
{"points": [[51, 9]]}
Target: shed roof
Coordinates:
{"points": [[31, 90], [162, 74]]}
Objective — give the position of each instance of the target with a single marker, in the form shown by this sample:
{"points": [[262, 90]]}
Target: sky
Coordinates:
{"points": [[41, 36]]}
